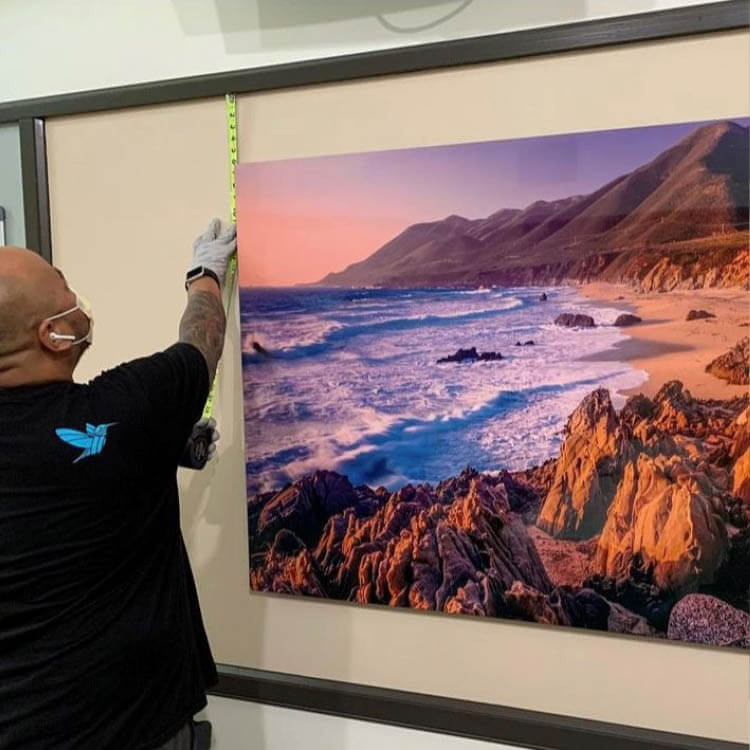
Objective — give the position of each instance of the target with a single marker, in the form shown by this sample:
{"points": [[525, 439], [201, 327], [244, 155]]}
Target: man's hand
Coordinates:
{"points": [[213, 249], [209, 426], [201, 447]]}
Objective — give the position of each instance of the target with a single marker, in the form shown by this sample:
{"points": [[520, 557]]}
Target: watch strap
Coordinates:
{"points": [[200, 272]]}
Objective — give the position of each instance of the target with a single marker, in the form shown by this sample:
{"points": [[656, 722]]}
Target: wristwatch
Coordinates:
{"points": [[198, 273]]}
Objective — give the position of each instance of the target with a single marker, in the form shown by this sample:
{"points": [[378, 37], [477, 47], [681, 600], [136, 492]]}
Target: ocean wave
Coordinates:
{"points": [[375, 406], [303, 333], [392, 451], [330, 333]]}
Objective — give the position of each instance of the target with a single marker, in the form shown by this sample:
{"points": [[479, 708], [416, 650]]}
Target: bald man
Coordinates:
{"points": [[101, 639]]}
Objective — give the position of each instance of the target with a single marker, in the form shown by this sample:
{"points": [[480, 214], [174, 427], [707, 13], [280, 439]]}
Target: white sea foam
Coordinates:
{"points": [[365, 396]]}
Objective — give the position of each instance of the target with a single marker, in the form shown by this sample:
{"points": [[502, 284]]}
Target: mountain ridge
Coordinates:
{"points": [[680, 220]]}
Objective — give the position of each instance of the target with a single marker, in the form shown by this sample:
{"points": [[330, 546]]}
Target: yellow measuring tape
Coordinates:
{"points": [[229, 284]]}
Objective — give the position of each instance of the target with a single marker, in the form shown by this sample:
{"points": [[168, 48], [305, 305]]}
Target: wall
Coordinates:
{"points": [[166, 173], [52, 47], [11, 192]]}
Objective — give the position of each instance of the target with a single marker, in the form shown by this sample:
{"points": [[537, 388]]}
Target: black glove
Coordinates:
{"points": [[201, 446]]}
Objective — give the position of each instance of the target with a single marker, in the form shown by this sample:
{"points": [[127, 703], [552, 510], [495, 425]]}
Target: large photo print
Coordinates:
{"points": [[506, 379]]}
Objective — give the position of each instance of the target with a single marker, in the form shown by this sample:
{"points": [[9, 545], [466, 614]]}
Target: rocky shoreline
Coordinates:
{"points": [[640, 526]]}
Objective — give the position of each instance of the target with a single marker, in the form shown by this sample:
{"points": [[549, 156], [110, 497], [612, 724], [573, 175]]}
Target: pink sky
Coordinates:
{"points": [[300, 219]]}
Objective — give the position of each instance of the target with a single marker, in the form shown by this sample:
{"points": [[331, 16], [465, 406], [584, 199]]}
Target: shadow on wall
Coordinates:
{"points": [[248, 25]]}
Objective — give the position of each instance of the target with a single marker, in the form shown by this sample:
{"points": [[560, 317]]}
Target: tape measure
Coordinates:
{"points": [[196, 454], [231, 107]]}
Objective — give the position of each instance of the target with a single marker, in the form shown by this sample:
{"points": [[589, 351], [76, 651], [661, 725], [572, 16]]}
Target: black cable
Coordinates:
{"points": [[385, 23]]}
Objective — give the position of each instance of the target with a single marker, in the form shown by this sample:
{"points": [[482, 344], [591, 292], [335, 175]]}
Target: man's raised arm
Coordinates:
{"points": [[203, 323]]}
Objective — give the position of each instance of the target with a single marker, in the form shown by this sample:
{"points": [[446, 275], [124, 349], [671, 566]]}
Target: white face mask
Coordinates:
{"points": [[84, 306]]}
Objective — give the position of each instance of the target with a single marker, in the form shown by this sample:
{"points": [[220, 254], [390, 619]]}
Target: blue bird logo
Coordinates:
{"points": [[92, 441]]}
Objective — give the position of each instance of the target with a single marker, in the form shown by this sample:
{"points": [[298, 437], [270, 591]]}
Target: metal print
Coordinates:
{"points": [[506, 379]]}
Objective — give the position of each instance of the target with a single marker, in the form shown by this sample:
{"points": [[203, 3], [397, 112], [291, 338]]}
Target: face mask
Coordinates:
{"points": [[83, 305]]}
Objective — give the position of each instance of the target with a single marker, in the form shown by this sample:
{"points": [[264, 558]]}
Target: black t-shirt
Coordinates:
{"points": [[101, 639]]}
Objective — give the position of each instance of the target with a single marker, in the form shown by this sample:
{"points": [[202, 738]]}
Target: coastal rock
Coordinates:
{"points": [[741, 477], [524, 602], [640, 509], [588, 470], [524, 497], [575, 320], [591, 610], [537, 480], [543, 297], [740, 454], [675, 412], [455, 548], [664, 520], [734, 366], [652, 481], [637, 594], [304, 506], [471, 355], [622, 620], [728, 268], [699, 315], [461, 356], [721, 426], [475, 546], [637, 408], [626, 319], [286, 568], [585, 609], [664, 276], [705, 619]]}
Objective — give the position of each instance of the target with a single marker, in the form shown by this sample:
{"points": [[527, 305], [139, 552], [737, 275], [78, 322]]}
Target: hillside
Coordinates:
{"points": [[680, 220]]}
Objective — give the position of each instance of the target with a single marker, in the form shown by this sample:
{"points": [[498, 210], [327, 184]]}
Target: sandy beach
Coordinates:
{"points": [[667, 346]]}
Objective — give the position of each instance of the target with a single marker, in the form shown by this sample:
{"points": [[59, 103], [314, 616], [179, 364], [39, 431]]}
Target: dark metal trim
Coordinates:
{"points": [[461, 718], [35, 186], [696, 19]]}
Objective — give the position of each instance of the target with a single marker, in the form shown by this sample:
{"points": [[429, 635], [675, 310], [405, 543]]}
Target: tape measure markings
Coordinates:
{"points": [[231, 113]]}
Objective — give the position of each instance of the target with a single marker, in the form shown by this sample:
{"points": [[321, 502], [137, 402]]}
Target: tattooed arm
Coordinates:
{"points": [[203, 323]]}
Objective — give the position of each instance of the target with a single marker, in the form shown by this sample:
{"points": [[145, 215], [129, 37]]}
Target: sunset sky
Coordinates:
{"points": [[299, 219]]}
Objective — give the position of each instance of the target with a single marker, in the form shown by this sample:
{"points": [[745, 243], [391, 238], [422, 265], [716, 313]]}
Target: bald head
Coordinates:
{"points": [[30, 290], [37, 344]]}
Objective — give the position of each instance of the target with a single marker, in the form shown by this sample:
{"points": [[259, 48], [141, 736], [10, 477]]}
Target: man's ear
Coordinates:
{"points": [[55, 341]]}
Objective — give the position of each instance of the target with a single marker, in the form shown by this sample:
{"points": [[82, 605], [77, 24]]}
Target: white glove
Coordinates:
{"points": [[213, 249]]}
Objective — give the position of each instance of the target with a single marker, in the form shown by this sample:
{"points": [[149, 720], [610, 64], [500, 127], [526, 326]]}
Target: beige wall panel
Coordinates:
{"points": [[129, 191], [627, 86]]}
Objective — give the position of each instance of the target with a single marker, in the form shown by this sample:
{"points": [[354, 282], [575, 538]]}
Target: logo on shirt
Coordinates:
{"points": [[92, 441]]}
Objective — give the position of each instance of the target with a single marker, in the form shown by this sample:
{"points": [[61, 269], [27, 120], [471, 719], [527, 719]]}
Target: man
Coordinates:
{"points": [[101, 640]]}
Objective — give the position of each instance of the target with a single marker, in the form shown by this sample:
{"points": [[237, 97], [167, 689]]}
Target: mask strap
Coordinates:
{"points": [[63, 314]]}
